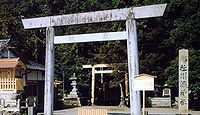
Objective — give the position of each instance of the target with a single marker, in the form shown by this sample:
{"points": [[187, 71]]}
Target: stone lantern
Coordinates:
{"points": [[73, 93]]}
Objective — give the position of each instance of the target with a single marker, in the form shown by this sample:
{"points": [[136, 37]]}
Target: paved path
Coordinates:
{"points": [[115, 110]]}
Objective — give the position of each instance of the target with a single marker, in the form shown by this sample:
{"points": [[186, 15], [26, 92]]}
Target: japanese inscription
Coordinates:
{"points": [[183, 81]]}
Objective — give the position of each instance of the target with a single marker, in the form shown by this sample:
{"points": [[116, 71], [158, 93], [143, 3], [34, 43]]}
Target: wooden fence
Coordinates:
{"points": [[11, 83], [84, 111]]}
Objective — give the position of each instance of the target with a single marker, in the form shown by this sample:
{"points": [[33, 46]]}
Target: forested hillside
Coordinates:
{"points": [[159, 39]]}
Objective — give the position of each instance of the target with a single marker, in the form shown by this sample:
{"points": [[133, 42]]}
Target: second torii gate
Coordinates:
{"points": [[128, 14], [94, 71]]}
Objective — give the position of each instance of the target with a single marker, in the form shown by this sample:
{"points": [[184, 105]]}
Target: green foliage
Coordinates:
{"points": [[171, 72], [183, 21]]}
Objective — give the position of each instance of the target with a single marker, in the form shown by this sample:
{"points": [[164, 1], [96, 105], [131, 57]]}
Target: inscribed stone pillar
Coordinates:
{"points": [[183, 81]]}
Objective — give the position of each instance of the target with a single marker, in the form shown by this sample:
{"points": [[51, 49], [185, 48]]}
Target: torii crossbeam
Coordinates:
{"points": [[128, 14]]}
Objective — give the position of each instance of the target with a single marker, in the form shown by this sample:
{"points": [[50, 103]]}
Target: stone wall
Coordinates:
{"points": [[160, 101]]}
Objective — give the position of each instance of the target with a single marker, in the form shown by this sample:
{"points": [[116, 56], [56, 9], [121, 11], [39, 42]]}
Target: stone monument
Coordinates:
{"points": [[183, 81]]}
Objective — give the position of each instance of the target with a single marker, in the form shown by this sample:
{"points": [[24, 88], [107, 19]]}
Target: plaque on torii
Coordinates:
{"points": [[128, 14]]}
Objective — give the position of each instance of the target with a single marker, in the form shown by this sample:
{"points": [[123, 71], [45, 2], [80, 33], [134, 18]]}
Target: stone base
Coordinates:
{"points": [[72, 101]]}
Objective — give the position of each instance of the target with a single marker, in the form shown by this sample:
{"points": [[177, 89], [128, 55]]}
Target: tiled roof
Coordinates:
{"points": [[34, 65]]}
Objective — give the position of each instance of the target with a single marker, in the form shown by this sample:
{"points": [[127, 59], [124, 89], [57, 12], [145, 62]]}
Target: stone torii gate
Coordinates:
{"points": [[127, 14]]}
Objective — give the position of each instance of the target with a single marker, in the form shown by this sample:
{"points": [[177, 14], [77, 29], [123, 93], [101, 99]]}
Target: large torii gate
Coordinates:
{"points": [[128, 14]]}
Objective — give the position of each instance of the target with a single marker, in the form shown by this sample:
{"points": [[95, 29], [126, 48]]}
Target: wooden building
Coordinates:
{"points": [[19, 78]]}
